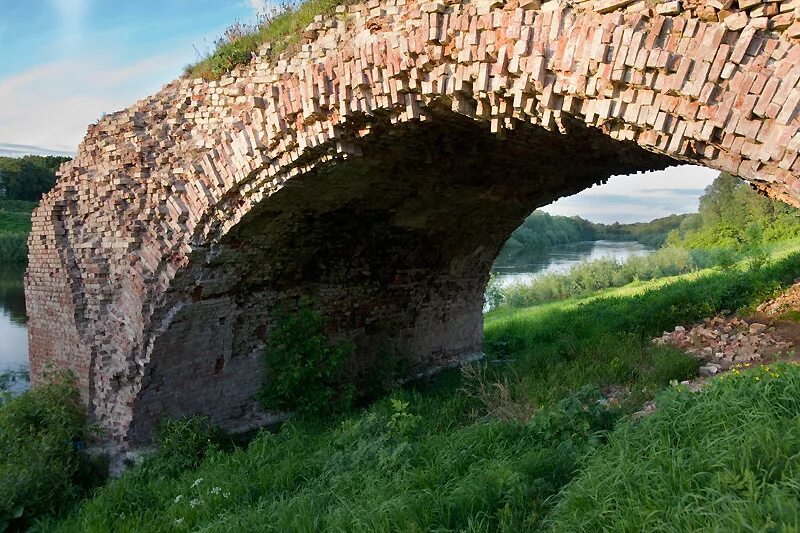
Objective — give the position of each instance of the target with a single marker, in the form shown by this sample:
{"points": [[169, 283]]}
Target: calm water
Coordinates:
{"points": [[13, 334], [563, 257]]}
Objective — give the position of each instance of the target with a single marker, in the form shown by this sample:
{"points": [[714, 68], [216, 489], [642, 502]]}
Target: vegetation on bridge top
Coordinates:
{"points": [[280, 25]]}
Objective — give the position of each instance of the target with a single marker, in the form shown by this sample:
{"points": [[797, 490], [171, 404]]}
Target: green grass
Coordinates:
{"points": [[725, 459], [15, 224], [461, 453], [282, 31]]}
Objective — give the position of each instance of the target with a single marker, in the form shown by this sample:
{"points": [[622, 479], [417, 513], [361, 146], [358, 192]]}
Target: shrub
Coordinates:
{"points": [[305, 371], [725, 258], [13, 247], [41, 470], [183, 444]]}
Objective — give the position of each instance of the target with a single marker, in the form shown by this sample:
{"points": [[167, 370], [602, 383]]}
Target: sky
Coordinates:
{"points": [[639, 197], [64, 63]]}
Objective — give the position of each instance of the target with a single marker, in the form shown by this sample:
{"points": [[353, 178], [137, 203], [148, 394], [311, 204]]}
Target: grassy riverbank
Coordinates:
{"points": [[15, 224], [489, 448]]}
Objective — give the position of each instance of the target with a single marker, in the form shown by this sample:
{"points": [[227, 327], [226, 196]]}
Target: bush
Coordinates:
{"points": [[13, 247], [183, 444], [724, 459], [41, 470], [305, 371]]}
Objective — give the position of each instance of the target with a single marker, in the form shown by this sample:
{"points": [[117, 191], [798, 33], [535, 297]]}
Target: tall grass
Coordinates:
{"points": [[591, 276], [724, 459], [487, 453]]}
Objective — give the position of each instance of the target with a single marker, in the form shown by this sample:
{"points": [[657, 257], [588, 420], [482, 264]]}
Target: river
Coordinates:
{"points": [[564, 256], [14, 337], [13, 333]]}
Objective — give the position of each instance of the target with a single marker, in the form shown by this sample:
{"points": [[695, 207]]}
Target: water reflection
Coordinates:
{"points": [[13, 332]]}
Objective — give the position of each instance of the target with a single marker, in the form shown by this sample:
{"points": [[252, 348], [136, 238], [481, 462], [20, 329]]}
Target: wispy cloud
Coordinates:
{"points": [[18, 150], [54, 102], [71, 17], [639, 197]]}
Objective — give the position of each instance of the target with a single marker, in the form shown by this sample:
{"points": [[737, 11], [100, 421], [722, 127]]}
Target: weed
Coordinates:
{"points": [[280, 25], [305, 371], [493, 395], [183, 444]]}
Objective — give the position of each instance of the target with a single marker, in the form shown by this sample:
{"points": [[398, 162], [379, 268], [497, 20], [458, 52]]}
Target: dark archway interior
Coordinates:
{"points": [[394, 247]]}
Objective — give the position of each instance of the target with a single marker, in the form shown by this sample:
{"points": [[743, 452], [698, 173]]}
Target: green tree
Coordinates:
{"points": [[27, 178]]}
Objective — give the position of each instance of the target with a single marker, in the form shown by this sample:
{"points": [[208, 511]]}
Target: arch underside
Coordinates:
{"points": [[394, 248]]}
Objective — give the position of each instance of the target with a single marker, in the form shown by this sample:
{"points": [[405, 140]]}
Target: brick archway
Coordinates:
{"points": [[379, 168]]}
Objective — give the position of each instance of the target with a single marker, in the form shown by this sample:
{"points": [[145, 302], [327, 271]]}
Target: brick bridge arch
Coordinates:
{"points": [[378, 169]]}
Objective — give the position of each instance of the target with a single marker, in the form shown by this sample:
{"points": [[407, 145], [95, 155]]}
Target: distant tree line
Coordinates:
{"points": [[541, 230], [29, 177]]}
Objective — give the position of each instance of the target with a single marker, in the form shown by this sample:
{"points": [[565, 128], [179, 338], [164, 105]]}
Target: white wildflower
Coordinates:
{"points": [[178, 498], [226, 494], [215, 490], [195, 502], [197, 482], [179, 521]]}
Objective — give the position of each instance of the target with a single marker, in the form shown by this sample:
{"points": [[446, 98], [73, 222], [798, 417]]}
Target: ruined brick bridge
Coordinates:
{"points": [[377, 168]]}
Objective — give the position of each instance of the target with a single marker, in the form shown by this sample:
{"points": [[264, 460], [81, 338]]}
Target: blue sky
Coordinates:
{"points": [[63, 63]]}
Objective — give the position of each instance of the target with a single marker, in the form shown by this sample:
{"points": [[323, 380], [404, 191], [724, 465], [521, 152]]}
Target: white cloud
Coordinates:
{"points": [[638, 197], [50, 105]]}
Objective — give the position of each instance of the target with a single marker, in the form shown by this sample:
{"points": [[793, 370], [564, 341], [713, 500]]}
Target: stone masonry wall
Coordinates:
{"points": [[378, 168]]}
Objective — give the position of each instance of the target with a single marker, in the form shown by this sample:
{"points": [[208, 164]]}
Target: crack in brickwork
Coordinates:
{"points": [[184, 219]]}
